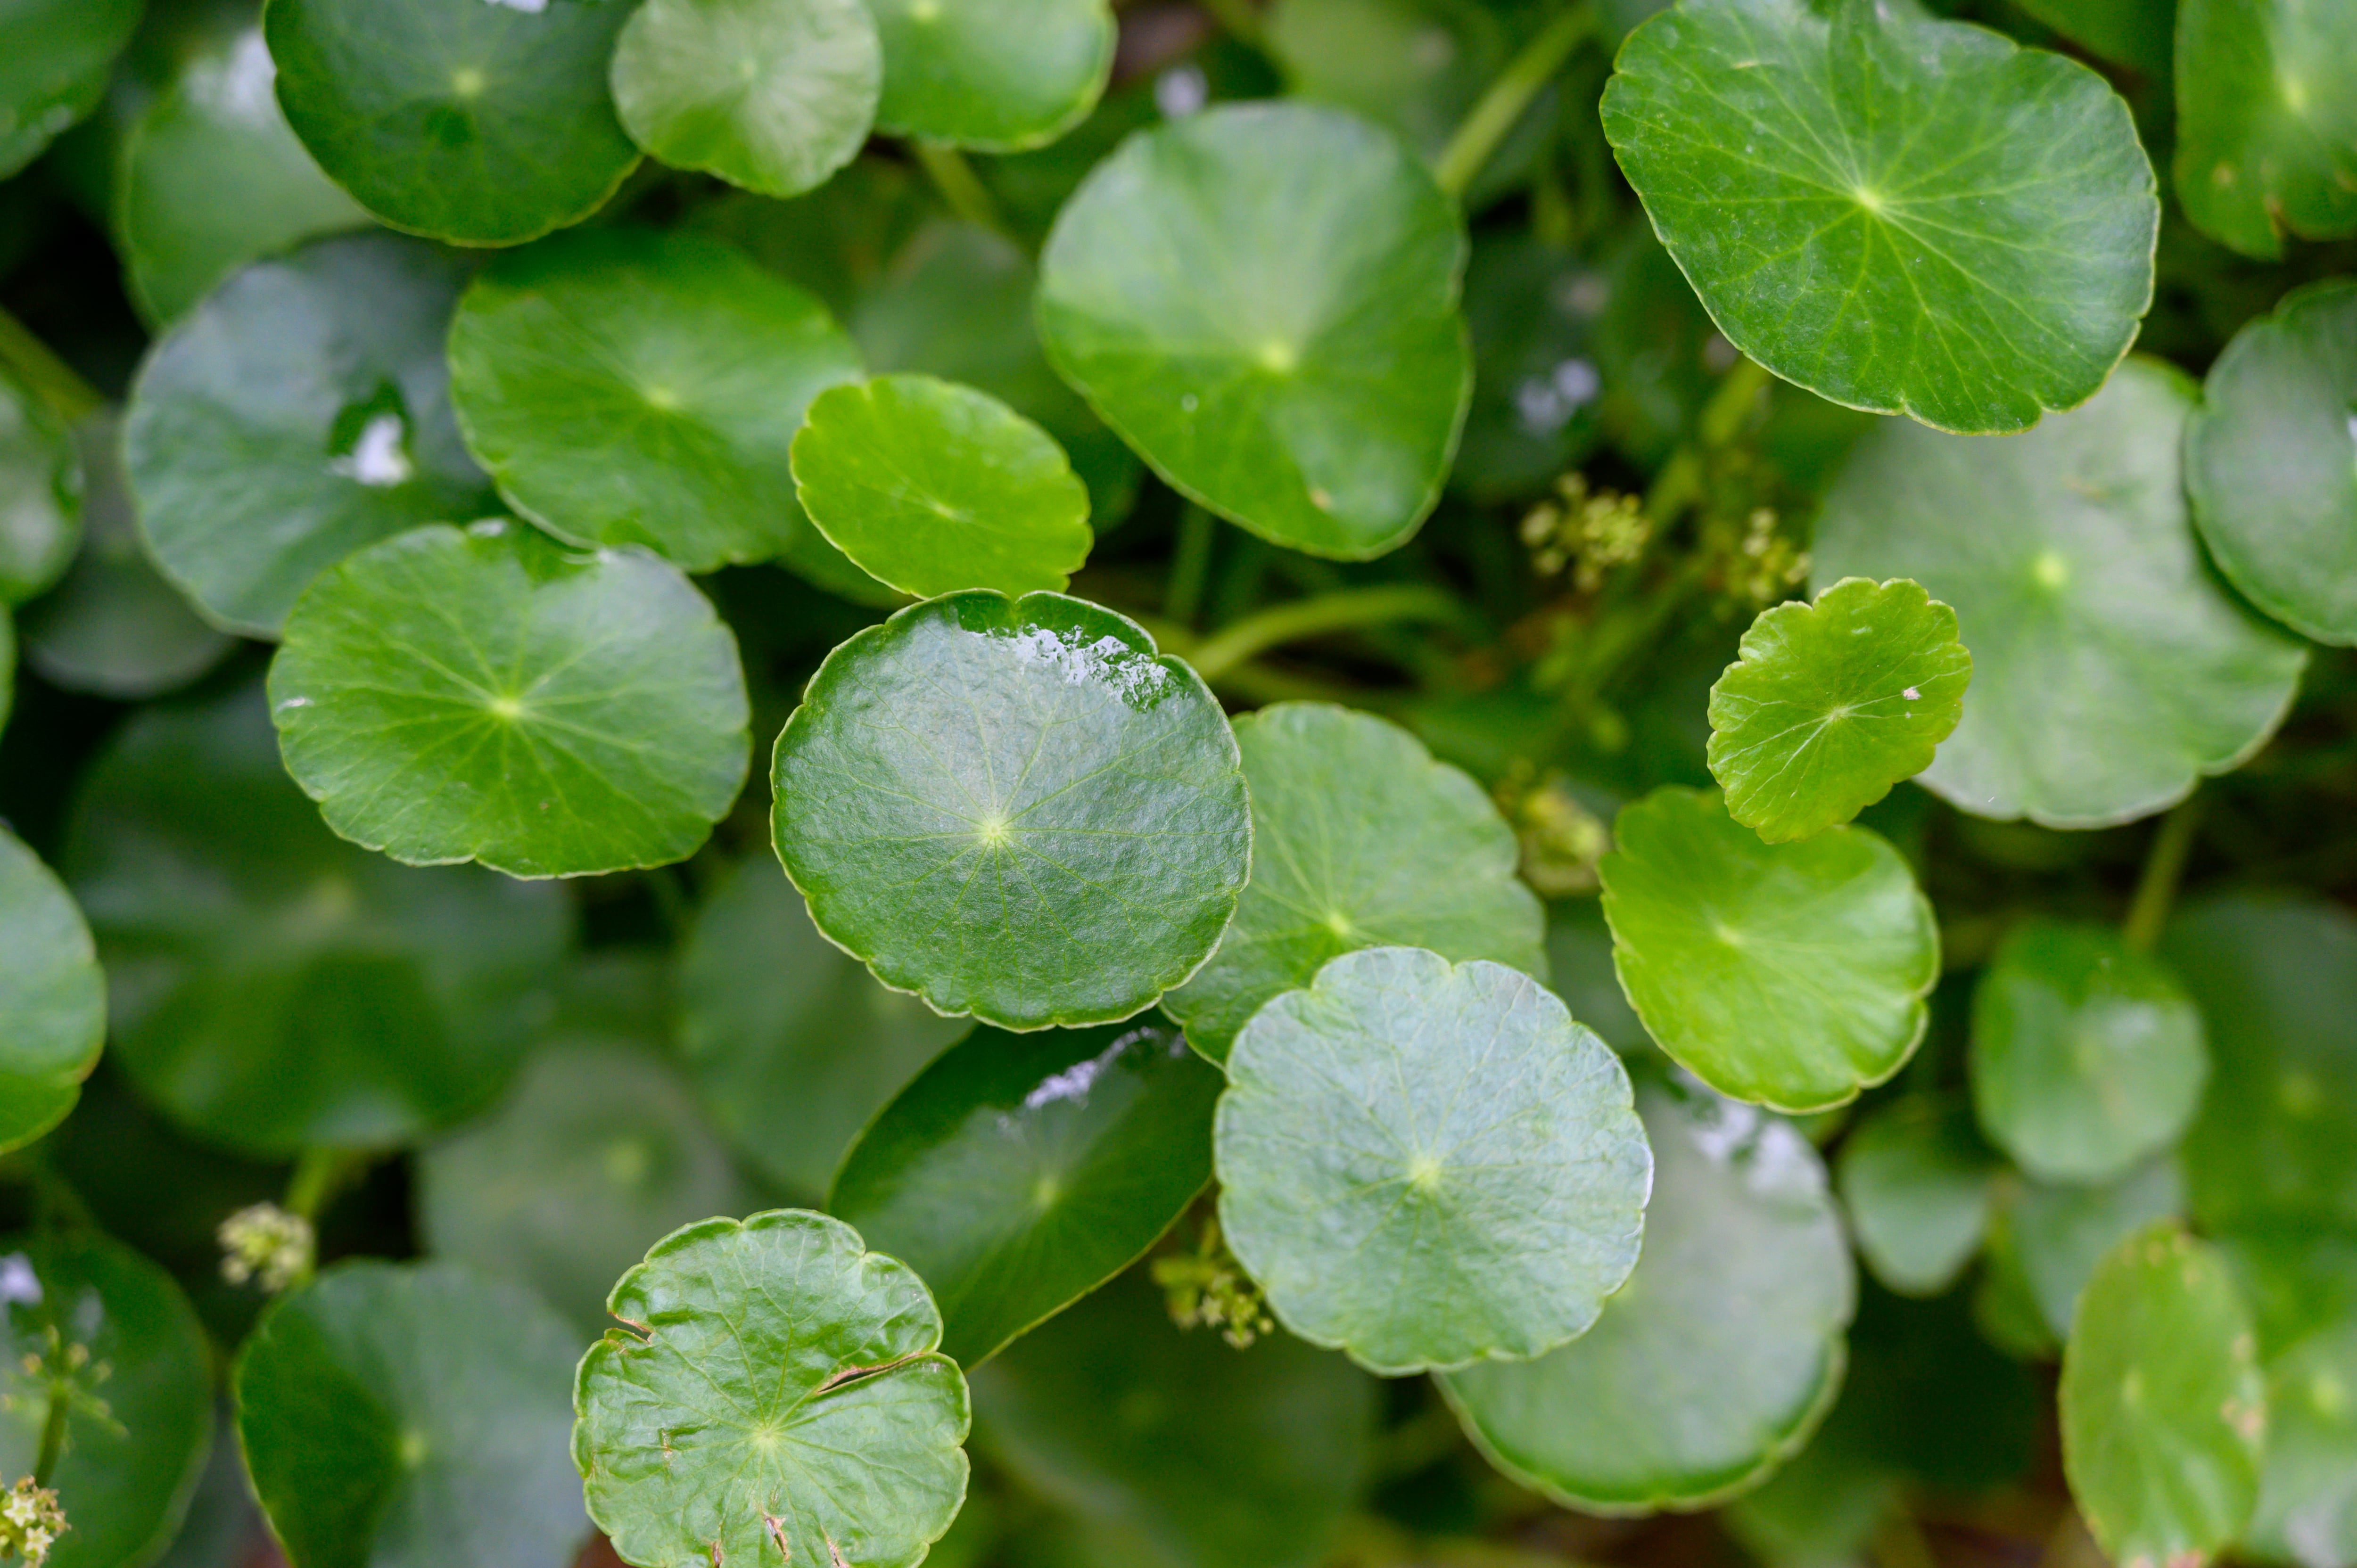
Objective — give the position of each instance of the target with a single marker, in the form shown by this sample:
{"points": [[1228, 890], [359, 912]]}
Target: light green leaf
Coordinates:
{"points": [[2058, 1234], [627, 387], [774, 97], [1014, 809], [777, 1389], [2163, 1408], [1790, 975], [1262, 299], [2303, 1284], [481, 124], [486, 695], [998, 75], [274, 987], [1900, 213], [301, 412], [1832, 703], [1723, 1352], [2069, 549], [1020, 1172], [1918, 1185], [91, 1322], [411, 1416], [2133, 32], [52, 997], [1428, 1165], [932, 487], [2267, 127], [1359, 839], [2087, 1058], [41, 494], [793, 1045], [55, 58], [2271, 461]]}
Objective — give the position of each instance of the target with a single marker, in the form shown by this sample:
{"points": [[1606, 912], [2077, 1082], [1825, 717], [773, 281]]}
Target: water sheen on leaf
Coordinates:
{"points": [[52, 998], [776, 1396], [1263, 300], [1918, 1185], [2267, 127], [55, 58], [1900, 213], [1790, 975], [1019, 1172], [997, 75], [1360, 839], [1832, 703], [1014, 809], [41, 494], [1428, 1165], [2069, 549]]}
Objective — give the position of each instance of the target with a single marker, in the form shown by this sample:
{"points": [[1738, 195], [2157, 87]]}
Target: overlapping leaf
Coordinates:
{"points": [[2266, 128], [1918, 1186]]}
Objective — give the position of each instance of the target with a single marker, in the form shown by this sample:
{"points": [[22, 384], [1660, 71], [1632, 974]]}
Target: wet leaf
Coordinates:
{"points": [[998, 75]]}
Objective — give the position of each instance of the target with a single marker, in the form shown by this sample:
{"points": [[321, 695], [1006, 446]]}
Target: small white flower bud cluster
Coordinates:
{"points": [[30, 1521], [268, 1245]]}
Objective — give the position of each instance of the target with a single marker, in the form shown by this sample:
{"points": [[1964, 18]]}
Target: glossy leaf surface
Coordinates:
{"points": [[2266, 130], [998, 75], [558, 715], [2069, 548], [1360, 839], [55, 57], [52, 997], [1918, 1185], [1790, 975], [1019, 1172], [41, 494], [1263, 301], [1064, 830], [778, 1393]]}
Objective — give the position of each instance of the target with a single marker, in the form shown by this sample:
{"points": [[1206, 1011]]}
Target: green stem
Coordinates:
{"points": [[1239, 20], [53, 1430], [1732, 400], [1338, 611], [1191, 566], [1503, 106], [959, 186], [2164, 868], [319, 1175], [39, 367]]}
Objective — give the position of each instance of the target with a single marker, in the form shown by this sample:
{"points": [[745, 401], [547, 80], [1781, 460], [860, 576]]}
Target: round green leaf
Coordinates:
{"points": [[627, 387], [52, 998], [793, 1045], [2307, 1491], [211, 176], [1832, 703], [487, 695], [41, 494], [272, 986], [1900, 213], [2266, 128], [1262, 299], [998, 75], [768, 96], [55, 58], [481, 124], [1918, 1185], [1014, 809], [1428, 1165], [91, 1321], [932, 487], [2087, 1058], [1020, 1172], [1790, 975], [1359, 839], [2271, 461], [2058, 1234], [298, 414], [777, 1389], [1723, 1352], [411, 1416], [2163, 1407], [2069, 550]]}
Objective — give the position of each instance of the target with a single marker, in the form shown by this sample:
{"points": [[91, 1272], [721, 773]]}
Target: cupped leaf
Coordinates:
{"points": [[300, 413], [932, 487], [2164, 1411], [41, 494], [1359, 839], [273, 987], [771, 97], [487, 695], [2069, 549], [1428, 1165], [2266, 128], [1918, 1185], [2058, 1234], [1720, 1356], [627, 387], [1020, 1172], [1014, 809], [2087, 1057], [998, 75], [1900, 213], [100, 1336], [55, 58], [1790, 975], [2270, 464], [406, 1416], [481, 124], [1832, 703], [1262, 299], [52, 998], [777, 1395]]}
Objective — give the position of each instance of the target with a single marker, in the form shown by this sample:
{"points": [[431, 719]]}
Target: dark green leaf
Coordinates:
{"points": [[2058, 1234], [55, 57], [2132, 32], [41, 494], [2267, 127], [52, 998], [1918, 1185], [993, 74]]}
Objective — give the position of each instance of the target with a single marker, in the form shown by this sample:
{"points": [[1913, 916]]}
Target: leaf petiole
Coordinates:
{"points": [[959, 186], [2164, 869], [1341, 610], [39, 367], [1502, 107]]}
